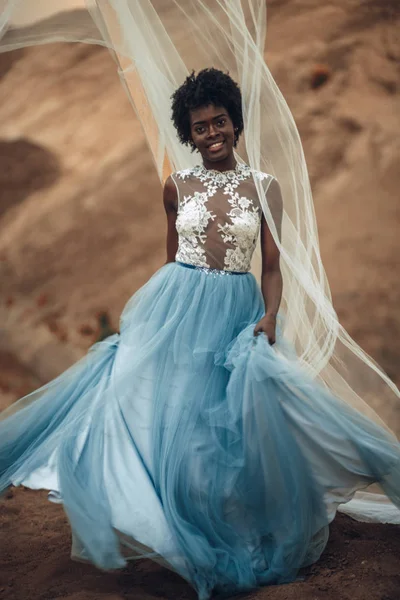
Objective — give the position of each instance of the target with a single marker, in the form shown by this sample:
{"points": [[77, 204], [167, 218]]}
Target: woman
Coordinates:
{"points": [[194, 437]]}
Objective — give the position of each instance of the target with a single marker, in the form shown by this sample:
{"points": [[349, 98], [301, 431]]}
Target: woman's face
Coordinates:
{"points": [[212, 132]]}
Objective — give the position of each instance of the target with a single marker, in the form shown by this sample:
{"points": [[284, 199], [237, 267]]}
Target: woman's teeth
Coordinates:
{"points": [[216, 146]]}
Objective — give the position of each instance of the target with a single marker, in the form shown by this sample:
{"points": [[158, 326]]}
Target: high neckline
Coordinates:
{"points": [[237, 169], [222, 178]]}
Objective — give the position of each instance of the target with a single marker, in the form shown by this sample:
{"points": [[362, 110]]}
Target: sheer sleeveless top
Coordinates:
{"points": [[219, 217]]}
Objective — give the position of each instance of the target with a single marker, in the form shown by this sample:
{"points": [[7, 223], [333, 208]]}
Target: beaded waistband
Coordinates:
{"points": [[210, 271]]}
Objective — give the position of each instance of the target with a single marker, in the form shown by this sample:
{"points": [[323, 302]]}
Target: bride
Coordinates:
{"points": [[219, 431]]}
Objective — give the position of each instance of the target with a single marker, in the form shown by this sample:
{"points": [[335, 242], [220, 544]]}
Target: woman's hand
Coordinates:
{"points": [[267, 325]]}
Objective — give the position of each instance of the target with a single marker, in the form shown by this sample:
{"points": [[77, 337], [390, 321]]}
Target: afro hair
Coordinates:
{"points": [[209, 86]]}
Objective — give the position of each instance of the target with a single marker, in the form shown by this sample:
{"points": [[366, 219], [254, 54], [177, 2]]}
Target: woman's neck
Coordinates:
{"points": [[227, 164]]}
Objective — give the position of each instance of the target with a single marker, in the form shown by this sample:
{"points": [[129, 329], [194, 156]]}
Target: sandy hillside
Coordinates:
{"points": [[82, 227]]}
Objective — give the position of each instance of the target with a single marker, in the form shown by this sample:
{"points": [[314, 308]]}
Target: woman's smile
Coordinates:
{"points": [[216, 146]]}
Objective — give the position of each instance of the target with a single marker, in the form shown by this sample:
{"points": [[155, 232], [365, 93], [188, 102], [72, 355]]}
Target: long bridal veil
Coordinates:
{"points": [[155, 45]]}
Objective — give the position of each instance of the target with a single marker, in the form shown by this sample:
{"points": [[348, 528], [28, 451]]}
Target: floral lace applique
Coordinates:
{"points": [[191, 224], [216, 179], [242, 232], [185, 173], [239, 229]]}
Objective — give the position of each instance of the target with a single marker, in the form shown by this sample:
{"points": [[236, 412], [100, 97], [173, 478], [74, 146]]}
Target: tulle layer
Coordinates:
{"points": [[187, 439]]}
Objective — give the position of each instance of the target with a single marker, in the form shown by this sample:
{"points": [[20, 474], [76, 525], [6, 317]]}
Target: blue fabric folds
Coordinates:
{"points": [[186, 439]]}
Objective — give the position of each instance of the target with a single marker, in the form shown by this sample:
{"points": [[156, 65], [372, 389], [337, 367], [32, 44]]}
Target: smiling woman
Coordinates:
{"points": [[218, 432], [207, 113], [213, 133]]}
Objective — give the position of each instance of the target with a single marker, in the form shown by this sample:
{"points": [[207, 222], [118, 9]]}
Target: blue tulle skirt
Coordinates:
{"points": [[188, 440]]}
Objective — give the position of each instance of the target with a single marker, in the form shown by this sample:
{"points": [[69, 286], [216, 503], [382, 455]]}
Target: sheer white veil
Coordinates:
{"points": [[155, 44]]}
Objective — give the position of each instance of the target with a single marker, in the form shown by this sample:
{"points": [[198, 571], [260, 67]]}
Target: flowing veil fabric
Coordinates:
{"points": [[155, 45]]}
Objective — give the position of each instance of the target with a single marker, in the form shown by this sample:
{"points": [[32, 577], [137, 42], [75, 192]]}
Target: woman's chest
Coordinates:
{"points": [[234, 217]]}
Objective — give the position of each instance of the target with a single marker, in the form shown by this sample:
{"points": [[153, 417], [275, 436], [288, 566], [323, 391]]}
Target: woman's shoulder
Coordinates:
{"points": [[267, 180], [183, 174], [262, 176]]}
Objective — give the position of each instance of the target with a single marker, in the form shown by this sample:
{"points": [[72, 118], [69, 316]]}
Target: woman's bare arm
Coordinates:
{"points": [[170, 198], [271, 276]]}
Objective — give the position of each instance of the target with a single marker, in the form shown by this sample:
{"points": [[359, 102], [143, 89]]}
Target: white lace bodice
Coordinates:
{"points": [[219, 216]]}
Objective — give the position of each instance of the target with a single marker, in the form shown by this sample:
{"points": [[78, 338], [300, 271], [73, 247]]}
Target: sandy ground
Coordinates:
{"points": [[82, 227], [361, 561]]}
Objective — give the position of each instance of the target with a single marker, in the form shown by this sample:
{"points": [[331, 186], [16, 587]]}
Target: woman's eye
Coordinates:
{"points": [[199, 129], [222, 122]]}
